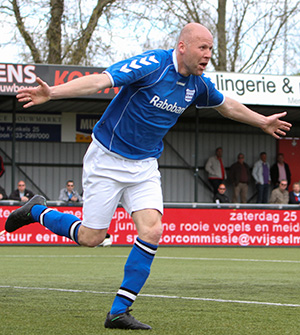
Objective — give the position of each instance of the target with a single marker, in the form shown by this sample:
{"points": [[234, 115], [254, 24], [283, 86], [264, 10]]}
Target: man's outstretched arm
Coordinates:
{"points": [[272, 124], [86, 85]]}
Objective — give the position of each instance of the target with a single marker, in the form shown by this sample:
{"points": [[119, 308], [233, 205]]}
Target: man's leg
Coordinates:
{"points": [[137, 267], [265, 197], [236, 192], [35, 210], [244, 193], [259, 188], [68, 225]]}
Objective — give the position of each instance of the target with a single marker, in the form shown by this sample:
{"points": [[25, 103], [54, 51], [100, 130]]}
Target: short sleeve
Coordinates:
{"points": [[210, 96], [134, 69]]}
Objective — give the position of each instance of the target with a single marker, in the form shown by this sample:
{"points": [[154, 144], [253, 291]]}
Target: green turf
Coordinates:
{"points": [[28, 306]]}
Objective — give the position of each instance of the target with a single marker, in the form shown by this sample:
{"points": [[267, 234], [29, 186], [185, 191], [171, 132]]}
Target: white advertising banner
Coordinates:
{"points": [[258, 89]]}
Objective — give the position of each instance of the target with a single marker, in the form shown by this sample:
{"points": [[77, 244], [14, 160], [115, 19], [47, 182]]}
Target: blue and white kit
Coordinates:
{"points": [[121, 165], [152, 97]]}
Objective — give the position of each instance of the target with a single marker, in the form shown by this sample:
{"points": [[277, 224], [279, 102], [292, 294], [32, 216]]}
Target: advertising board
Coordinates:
{"points": [[182, 227]]}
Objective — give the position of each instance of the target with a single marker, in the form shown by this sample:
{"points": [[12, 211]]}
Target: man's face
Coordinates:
{"points": [[70, 186], [296, 188], [263, 157], [196, 53], [219, 153], [21, 186], [222, 189], [280, 159], [283, 185], [241, 159]]}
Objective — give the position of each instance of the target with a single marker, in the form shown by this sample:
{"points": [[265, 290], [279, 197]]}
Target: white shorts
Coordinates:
{"points": [[109, 179]]}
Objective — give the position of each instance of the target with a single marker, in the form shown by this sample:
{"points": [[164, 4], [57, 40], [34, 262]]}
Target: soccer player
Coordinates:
{"points": [[121, 162]]}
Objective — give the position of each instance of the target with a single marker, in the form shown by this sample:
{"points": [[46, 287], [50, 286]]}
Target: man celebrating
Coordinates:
{"points": [[121, 162]]}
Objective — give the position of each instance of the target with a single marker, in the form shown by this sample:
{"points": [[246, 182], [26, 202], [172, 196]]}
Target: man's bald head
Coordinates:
{"points": [[194, 49], [190, 31]]}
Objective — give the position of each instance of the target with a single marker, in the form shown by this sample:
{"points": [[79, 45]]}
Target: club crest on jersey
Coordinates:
{"points": [[189, 95]]}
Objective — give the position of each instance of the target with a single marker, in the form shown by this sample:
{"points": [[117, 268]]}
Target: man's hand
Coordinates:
{"points": [[276, 127], [271, 125], [36, 95]]}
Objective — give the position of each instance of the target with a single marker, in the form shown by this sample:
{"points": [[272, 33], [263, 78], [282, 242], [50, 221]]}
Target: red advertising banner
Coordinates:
{"points": [[182, 226]]}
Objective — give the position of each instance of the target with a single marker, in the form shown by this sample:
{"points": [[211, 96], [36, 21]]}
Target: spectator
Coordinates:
{"points": [[69, 194], [2, 169], [294, 197], [240, 176], [215, 169], [21, 193], [280, 171], [261, 174], [280, 195], [220, 196], [3, 195]]}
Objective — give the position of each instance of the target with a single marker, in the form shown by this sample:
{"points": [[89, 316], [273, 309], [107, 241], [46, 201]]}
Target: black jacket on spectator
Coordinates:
{"points": [[275, 174], [2, 191], [222, 198], [235, 173], [294, 199], [15, 195]]}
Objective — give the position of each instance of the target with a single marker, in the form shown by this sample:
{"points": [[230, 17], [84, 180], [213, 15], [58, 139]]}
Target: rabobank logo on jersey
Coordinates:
{"points": [[165, 105], [189, 95]]}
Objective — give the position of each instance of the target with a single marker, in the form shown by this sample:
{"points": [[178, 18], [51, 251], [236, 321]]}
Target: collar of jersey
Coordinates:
{"points": [[175, 60]]}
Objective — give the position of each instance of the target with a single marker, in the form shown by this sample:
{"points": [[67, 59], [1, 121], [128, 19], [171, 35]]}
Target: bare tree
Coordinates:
{"points": [[54, 33], [248, 34]]}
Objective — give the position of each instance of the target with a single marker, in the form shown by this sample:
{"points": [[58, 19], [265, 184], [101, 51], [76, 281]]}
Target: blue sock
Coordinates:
{"points": [[136, 272], [59, 223]]}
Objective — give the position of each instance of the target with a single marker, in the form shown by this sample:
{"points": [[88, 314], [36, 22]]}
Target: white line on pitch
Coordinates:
{"points": [[154, 296], [157, 257]]}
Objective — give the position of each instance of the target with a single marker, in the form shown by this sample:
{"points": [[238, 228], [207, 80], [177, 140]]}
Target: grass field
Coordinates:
{"points": [[211, 291]]}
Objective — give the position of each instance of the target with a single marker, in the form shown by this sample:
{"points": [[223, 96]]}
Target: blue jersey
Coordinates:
{"points": [[152, 97]]}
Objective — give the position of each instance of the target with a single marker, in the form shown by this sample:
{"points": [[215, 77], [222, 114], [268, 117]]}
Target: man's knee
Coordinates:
{"points": [[91, 237], [157, 231], [152, 234]]}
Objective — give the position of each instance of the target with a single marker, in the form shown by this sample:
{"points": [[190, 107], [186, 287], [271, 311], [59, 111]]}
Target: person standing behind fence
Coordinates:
{"points": [[21, 193], [295, 194], [280, 195], [220, 196], [69, 194], [261, 174], [280, 171], [240, 176], [215, 169]]}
